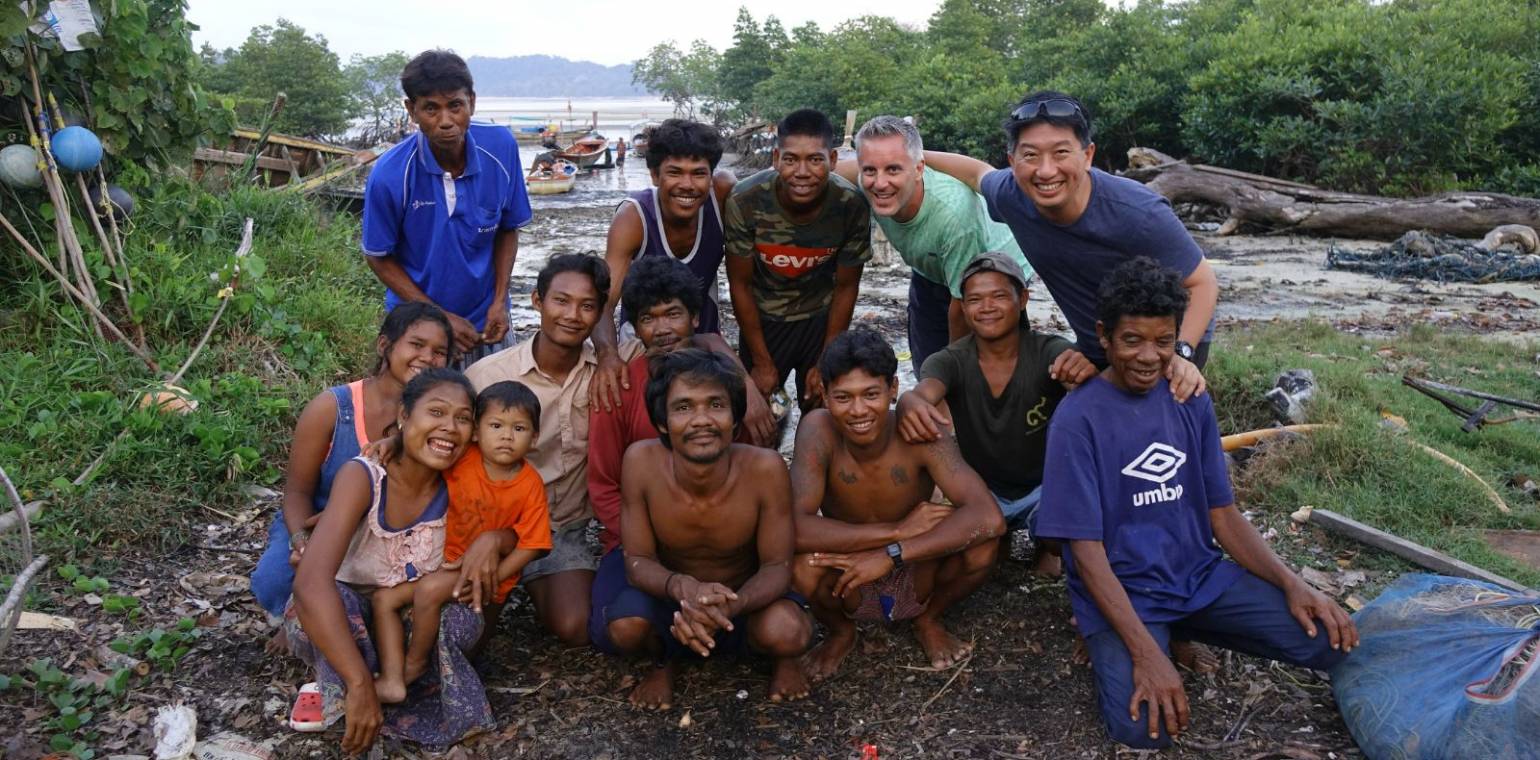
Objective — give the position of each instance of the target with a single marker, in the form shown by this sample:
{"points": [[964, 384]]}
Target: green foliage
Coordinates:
{"points": [[304, 309], [374, 85], [283, 58], [133, 82], [76, 701], [753, 56], [162, 648], [1362, 469], [1394, 97], [688, 80]]}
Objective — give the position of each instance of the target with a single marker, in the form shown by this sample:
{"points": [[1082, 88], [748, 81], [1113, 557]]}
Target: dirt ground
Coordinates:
{"points": [[1018, 696]]}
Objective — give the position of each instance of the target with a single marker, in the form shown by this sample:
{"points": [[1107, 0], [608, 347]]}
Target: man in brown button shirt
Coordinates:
{"points": [[558, 364]]}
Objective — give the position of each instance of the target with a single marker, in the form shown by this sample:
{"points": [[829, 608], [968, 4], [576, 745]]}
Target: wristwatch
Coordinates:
{"points": [[1184, 350], [896, 553]]}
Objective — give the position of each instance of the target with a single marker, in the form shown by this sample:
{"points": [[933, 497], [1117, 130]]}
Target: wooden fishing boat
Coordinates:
{"points": [[586, 151], [554, 181]]}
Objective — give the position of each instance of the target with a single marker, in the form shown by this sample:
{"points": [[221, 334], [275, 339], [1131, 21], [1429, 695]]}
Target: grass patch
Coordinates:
{"points": [[301, 319], [1363, 470]]}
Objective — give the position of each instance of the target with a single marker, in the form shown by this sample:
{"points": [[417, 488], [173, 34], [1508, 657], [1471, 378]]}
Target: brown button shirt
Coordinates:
{"points": [[561, 450]]}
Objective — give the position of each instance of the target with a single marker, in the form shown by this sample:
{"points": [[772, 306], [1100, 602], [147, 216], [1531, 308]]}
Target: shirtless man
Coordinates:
{"points": [[871, 545], [707, 532]]}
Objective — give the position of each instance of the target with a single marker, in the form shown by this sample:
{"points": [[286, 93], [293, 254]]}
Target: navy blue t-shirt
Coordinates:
{"points": [[440, 228], [1123, 219], [1138, 472]]}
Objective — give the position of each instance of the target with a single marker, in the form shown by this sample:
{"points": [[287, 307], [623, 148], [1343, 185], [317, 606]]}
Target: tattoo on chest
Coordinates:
{"points": [[900, 475], [848, 478]]}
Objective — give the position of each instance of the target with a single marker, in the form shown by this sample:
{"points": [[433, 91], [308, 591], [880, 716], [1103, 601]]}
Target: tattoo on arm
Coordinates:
{"points": [[900, 475], [946, 454]]}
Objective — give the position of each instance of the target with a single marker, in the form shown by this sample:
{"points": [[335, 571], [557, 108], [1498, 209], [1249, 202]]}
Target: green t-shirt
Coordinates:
{"points": [[1004, 438], [794, 264], [952, 228]]}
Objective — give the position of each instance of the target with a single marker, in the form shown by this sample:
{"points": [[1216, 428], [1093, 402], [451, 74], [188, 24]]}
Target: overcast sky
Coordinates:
{"points": [[612, 31]]}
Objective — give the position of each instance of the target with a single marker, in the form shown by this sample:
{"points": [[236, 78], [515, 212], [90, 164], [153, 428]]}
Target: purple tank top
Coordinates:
{"points": [[703, 260]]}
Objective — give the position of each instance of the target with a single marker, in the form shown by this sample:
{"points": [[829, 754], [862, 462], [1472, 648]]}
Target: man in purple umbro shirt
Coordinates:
{"points": [[1135, 484]]}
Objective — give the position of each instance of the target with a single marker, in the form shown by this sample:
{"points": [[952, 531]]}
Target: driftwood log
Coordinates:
{"points": [[1291, 206]]}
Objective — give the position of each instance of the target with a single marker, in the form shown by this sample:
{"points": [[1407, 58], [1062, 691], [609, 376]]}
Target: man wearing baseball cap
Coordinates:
{"points": [[1000, 384]]}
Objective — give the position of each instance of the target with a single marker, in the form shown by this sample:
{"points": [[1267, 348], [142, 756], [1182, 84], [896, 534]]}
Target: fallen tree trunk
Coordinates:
{"points": [[1291, 206]]}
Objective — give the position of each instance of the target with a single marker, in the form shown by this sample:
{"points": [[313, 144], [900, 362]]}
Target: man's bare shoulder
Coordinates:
{"points": [[643, 453], [757, 460]]}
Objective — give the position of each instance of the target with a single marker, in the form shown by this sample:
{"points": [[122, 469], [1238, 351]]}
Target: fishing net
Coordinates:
{"points": [[1441, 258], [18, 567], [1444, 669]]}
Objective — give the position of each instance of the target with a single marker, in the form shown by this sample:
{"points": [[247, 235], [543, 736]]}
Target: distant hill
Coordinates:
{"points": [[545, 76]]}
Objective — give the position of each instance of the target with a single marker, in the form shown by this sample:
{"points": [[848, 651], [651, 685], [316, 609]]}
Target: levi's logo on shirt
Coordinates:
{"points": [[1157, 464], [792, 260]]}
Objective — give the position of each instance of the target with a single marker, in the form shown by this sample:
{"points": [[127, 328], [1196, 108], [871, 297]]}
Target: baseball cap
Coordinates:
{"points": [[995, 261]]}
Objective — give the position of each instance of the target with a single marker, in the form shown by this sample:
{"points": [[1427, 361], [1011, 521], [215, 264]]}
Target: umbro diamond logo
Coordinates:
{"points": [[1157, 464]]}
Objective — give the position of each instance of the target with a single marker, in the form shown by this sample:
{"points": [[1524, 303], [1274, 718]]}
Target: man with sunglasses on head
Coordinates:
{"points": [[1076, 223]]}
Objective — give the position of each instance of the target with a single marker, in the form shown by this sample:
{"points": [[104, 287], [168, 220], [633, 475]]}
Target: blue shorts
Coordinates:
{"points": [[1021, 514], [614, 598], [1251, 616], [273, 578], [927, 314]]}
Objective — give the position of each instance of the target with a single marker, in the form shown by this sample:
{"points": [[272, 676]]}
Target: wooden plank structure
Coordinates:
{"points": [[1408, 550], [281, 159]]}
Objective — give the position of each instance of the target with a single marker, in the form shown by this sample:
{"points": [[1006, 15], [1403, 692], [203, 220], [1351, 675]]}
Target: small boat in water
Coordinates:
{"points": [[559, 178], [586, 151]]}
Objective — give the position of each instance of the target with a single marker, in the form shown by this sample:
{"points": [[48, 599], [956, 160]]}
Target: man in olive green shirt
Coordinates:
{"points": [[937, 224]]}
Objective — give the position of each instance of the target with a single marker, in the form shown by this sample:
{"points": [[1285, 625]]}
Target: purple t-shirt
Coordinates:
{"points": [[1138, 472], [1123, 219]]}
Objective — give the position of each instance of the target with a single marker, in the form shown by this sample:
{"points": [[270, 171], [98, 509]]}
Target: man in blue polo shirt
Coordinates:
{"points": [[1076, 223], [443, 208], [1135, 483]]}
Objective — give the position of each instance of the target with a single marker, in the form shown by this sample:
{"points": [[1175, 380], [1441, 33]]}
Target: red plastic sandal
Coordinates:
{"points": [[306, 715]]}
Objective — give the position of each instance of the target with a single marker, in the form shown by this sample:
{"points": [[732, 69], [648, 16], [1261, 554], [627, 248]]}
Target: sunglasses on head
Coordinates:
{"points": [[1058, 108]]}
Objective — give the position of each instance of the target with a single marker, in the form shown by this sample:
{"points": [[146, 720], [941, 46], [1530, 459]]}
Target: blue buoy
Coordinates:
{"points": [[76, 149]]}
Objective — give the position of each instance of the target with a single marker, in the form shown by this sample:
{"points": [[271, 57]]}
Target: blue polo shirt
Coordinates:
{"points": [[441, 229]]}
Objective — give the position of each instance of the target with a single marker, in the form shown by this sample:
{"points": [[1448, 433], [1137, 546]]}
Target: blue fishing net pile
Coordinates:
{"points": [[1440, 258]]}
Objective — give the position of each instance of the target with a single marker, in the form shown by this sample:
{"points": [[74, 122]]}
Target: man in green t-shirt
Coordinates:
{"points": [[937, 224], [796, 240], [1001, 384]]}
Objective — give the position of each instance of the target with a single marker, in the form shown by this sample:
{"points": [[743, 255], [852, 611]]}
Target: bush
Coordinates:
{"points": [[301, 319]]}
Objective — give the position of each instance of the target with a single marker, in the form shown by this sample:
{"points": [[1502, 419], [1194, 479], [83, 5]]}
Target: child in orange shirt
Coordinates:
{"points": [[490, 488]]}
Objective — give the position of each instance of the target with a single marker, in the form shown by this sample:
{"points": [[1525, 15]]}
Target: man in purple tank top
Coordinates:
{"points": [[679, 216]]}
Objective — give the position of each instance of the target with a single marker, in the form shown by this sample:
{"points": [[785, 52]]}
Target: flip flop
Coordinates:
{"points": [[306, 715]]}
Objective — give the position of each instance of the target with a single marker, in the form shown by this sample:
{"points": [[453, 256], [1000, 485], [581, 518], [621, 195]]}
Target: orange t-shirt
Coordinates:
{"points": [[478, 504]]}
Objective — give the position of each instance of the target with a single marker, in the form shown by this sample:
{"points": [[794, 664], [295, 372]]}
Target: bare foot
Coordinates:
{"points": [[279, 643], [1195, 657], [656, 691], [1081, 655], [389, 690], [943, 649], [1047, 565], [824, 661], [789, 681]]}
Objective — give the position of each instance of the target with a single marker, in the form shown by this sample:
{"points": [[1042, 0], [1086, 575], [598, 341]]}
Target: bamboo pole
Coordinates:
{"points": [[224, 301], [63, 221], [70, 288]]}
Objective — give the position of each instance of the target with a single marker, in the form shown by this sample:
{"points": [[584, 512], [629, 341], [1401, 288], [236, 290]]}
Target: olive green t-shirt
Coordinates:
{"points": [[1004, 438], [794, 264], [952, 228]]}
